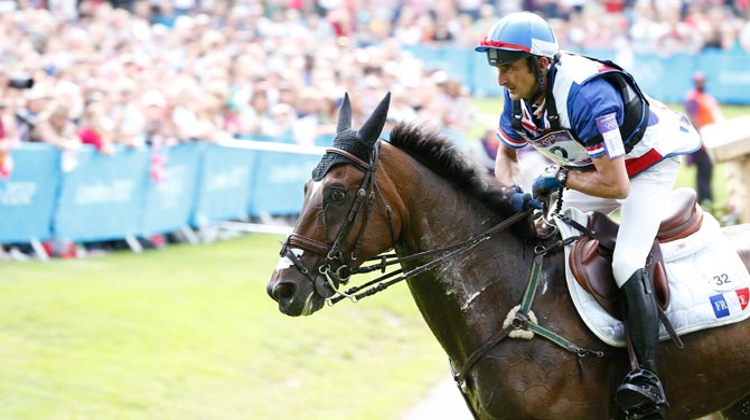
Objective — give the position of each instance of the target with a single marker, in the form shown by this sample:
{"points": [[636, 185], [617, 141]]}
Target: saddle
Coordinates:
{"points": [[591, 255]]}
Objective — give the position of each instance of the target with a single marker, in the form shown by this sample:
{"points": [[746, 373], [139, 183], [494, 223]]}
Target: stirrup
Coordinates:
{"points": [[641, 396]]}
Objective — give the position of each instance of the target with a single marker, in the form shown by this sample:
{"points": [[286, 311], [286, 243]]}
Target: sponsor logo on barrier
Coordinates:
{"points": [[117, 191], [288, 173], [172, 187], [233, 177], [734, 78], [18, 194]]}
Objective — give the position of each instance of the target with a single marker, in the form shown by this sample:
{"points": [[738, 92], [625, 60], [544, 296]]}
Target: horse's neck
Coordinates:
{"points": [[468, 289]]}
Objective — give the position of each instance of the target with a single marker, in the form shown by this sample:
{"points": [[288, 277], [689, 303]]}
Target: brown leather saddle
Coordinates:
{"points": [[591, 255]]}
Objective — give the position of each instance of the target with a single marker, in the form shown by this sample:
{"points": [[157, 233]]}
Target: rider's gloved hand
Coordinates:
{"points": [[551, 180], [520, 201]]}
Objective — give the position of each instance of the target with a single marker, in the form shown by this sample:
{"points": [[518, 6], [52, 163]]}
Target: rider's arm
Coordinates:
{"points": [[506, 165], [609, 180], [507, 170]]}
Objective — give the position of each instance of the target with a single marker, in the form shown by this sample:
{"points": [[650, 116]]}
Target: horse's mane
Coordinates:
{"points": [[442, 156]]}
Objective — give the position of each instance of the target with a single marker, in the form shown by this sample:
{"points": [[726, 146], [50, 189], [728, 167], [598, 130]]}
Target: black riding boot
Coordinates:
{"points": [[641, 395]]}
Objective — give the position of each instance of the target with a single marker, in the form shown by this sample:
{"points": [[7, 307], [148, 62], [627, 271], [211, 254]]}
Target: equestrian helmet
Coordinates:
{"points": [[516, 36]]}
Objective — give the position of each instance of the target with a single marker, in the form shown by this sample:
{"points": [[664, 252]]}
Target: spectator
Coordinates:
{"points": [[34, 102], [313, 117], [8, 128], [55, 127], [166, 14], [213, 99], [702, 109], [95, 127], [8, 139], [281, 123], [255, 121], [159, 128], [127, 118], [189, 116]]}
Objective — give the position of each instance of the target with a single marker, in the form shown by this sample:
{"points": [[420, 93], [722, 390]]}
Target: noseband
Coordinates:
{"points": [[337, 268]]}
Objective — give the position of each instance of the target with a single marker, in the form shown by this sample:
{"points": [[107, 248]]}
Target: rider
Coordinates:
{"points": [[615, 148]]}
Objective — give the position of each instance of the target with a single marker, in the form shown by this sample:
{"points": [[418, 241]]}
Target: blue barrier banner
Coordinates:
{"points": [[102, 198], [279, 176], [28, 196], [224, 183], [727, 76], [667, 79], [483, 78], [169, 202]]}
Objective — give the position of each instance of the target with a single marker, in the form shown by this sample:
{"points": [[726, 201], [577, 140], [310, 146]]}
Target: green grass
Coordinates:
{"points": [[490, 109], [188, 332]]}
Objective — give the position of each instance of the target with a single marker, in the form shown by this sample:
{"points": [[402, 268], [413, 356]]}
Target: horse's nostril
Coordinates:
{"points": [[284, 290]]}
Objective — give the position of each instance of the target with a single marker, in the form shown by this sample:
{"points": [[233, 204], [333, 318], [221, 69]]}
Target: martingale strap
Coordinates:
{"points": [[521, 321]]}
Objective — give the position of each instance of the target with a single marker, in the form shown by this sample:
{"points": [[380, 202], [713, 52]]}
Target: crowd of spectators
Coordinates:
{"points": [[160, 72]]}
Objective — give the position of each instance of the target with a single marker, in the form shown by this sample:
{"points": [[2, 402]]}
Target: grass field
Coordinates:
{"points": [[188, 332]]}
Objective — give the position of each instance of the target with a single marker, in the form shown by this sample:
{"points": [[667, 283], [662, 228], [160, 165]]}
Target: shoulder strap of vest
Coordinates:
{"points": [[517, 117], [552, 115]]}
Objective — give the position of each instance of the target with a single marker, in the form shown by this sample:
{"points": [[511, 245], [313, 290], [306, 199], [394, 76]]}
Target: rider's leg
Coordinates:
{"points": [[642, 390], [640, 216]]}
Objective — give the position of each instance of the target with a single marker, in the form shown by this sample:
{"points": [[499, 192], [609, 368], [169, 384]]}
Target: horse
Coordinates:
{"points": [[469, 260]]}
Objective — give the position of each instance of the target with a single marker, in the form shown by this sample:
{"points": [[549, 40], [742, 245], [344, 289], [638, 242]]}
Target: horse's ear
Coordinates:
{"points": [[372, 128], [345, 115]]}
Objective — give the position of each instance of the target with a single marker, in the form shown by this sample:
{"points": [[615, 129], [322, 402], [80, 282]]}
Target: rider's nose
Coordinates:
{"points": [[501, 79]]}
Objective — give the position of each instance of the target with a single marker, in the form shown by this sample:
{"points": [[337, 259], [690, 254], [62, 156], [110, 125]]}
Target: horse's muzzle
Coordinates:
{"points": [[294, 297]]}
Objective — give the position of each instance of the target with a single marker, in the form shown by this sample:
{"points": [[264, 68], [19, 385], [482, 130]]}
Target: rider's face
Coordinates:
{"points": [[518, 78]]}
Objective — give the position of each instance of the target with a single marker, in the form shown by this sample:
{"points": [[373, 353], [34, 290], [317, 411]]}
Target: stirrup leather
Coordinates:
{"points": [[641, 396]]}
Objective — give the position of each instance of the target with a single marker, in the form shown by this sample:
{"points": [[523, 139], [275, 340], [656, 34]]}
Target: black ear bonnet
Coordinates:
{"points": [[358, 143]]}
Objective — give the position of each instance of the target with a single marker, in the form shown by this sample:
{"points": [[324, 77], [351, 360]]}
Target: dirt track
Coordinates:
{"points": [[444, 402]]}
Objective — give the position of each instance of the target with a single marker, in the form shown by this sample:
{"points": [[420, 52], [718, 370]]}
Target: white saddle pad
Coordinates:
{"points": [[709, 284]]}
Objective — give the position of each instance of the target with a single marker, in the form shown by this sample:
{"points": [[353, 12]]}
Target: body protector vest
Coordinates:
{"points": [[561, 144]]}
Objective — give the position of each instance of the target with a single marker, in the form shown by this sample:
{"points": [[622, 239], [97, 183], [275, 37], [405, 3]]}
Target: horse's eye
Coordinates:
{"points": [[338, 195]]}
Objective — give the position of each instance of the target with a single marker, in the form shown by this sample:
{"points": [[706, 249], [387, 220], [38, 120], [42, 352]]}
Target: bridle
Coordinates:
{"points": [[338, 267]]}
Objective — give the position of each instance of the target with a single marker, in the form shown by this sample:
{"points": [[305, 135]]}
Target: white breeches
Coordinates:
{"points": [[640, 214]]}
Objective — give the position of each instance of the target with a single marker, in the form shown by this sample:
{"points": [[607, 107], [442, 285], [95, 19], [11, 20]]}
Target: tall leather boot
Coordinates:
{"points": [[641, 394]]}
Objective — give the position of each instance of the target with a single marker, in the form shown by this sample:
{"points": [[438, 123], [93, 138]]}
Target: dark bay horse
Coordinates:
{"points": [[416, 194]]}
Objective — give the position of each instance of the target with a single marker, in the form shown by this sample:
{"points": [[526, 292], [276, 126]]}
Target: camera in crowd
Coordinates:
{"points": [[21, 82]]}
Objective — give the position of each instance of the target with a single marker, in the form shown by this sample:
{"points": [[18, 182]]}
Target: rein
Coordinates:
{"points": [[379, 284]]}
